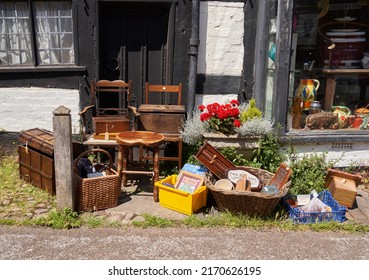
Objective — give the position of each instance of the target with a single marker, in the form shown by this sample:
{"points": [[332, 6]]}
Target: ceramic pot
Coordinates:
{"points": [[307, 90]]}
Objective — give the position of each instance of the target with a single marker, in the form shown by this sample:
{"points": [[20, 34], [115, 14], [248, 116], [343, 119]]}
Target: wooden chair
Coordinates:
{"points": [[170, 95], [166, 93], [109, 107]]}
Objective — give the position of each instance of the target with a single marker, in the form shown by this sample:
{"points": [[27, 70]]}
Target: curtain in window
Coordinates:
{"points": [[54, 32], [15, 34]]}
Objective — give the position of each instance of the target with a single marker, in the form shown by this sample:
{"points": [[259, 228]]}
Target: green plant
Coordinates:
{"points": [[153, 221], [268, 155], [64, 219], [93, 221], [309, 172], [235, 157], [251, 112]]}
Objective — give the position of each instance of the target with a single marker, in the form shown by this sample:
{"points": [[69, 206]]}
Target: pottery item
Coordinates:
{"points": [[343, 114], [307, 90], [365, 60], [224, 184], [315, 107], [237, 174], [357, 122]]}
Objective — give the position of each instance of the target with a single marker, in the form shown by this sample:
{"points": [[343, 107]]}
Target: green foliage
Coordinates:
{"points": [[236, 158], [251, 112], [189, 152], [153, 221], [309, 173], [93, 221], [64, 219], [268, 155]]}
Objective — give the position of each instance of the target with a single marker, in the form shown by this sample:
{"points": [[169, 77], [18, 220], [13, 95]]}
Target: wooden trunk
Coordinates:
{"points": [[161, 118], [110, 124], [37, 168], [36, 158]]}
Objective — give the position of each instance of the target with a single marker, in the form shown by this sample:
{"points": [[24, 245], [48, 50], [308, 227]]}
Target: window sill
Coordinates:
{"points": [[22, 69], [326, 135]]}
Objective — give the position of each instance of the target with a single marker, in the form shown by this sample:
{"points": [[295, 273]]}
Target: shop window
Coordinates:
{"points": [[36, 33], [329, 41]]}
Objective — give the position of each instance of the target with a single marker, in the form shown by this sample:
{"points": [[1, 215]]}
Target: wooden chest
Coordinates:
{"points": [[161, 118], [110, 124], [36, 162], [214, 161], [36, 158]]}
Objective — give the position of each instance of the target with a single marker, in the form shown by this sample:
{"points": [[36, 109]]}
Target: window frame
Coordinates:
{"points": [[47, 67]]}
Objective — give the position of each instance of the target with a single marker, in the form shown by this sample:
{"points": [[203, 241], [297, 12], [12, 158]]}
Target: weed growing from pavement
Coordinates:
{"points": [[153, 221]]}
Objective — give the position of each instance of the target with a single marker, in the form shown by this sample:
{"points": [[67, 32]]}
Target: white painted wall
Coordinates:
{"points": [[342, 154], [221, 33], [26, 108], [206, 99]]}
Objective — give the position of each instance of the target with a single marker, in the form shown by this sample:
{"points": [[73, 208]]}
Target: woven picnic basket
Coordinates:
{"points": [[96, 193], [248, 203]]}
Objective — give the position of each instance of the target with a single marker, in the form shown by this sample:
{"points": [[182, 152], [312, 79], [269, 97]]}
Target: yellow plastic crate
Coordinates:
{"points": [[179, 200]]}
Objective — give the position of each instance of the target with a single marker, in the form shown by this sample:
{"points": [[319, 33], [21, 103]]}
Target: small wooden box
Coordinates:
{"points": [[214, 160], [161, 118], [342, 186], [110, 124], [343, 190]]}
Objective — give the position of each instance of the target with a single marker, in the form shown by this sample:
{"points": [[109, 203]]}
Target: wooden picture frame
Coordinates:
{"points": [[281, 176], [188, 182]]}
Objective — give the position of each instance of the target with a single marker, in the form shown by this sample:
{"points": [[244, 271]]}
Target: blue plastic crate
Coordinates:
{"points": [[338, 213]]}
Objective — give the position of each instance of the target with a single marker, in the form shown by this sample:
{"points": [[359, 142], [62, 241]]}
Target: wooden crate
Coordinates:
{"points": [[161, 118], [37, 168], [110, 124]]}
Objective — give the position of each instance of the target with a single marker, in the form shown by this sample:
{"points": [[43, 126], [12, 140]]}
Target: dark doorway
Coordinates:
{"points": [[133, 44]]}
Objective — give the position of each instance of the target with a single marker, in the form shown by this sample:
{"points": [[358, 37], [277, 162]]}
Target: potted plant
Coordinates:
{"points": [[227, 125]]}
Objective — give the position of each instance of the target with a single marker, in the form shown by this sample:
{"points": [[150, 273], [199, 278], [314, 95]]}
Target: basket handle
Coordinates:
{"points": [[75, 162], [360, 102]]}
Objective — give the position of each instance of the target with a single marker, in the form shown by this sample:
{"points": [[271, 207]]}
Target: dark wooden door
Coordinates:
{"points": [[133, 44]]}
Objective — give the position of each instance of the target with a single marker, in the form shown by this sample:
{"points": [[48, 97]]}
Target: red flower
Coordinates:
{"points": [[237, 123], [234, 102], [204, 117], [221, 118]]}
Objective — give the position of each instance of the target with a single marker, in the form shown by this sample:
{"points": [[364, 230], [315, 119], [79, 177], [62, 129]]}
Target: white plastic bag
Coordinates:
{"points": [[315, 205]]}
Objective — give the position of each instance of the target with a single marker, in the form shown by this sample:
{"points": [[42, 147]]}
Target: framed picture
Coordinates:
{"points": [[189, 182], [307, 29]]}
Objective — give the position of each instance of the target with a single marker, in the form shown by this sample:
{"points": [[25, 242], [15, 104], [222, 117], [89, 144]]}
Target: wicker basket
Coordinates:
{"points": [[97, 193], [248, 203]]}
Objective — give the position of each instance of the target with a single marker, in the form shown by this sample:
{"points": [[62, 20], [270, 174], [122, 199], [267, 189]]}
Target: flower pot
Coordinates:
{"points": [[244, 145]]}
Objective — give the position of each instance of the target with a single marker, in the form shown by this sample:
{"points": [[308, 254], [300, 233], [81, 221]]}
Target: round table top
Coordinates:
{"points": [[135, 138]]}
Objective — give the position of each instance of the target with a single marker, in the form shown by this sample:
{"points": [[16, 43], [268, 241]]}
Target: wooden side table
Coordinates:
{"points": [[129, 139], [332, 75]]}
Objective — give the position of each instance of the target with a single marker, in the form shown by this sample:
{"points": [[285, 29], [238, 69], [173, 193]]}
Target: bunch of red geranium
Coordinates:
{"points": [[222, 118]]}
